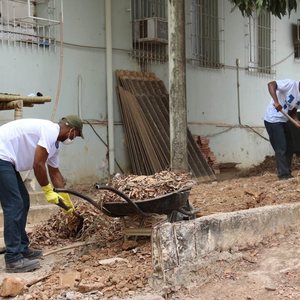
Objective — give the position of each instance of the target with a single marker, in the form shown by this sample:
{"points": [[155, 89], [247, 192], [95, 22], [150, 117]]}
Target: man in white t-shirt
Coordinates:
{"points": [[28, 144], [285, 97]]}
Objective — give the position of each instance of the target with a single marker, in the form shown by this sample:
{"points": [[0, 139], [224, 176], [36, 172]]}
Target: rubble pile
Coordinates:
{"points": [[60, 229], [107, 264], [96, 273], [111, 266], [142, 187]]}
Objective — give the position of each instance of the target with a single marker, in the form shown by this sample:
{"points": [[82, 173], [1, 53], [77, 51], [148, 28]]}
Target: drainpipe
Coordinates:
{"points": [[79, 96], [109, 87], [237, 62]]}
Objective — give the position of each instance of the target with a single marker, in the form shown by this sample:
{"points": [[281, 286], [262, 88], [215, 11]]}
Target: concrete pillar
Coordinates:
{"points": [[177, 86]]}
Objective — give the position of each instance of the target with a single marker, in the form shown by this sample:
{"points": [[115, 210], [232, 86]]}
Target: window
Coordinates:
{"points": [[149, 31], [206, 33], [260, 43], [29, 23], [296, 36]]}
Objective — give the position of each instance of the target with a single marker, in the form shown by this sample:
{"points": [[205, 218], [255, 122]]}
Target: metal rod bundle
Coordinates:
{"points": [[144, 103]]}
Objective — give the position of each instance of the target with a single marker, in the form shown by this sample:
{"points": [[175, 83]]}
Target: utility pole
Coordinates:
{"points": [[177, 86]]}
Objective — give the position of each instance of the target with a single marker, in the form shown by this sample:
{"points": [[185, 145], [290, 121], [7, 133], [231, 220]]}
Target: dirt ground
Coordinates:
{"points": [[103, 265]]}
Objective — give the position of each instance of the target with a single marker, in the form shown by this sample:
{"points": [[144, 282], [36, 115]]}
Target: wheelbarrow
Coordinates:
{"points": [[174, 204]]}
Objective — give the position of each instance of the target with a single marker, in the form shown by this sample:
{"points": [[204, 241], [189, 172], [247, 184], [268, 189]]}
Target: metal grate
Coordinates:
{"points": [[149, 31], [149, 8], [206, 33], [28, 23], [260, 42], [144, 103], [296, 37]]}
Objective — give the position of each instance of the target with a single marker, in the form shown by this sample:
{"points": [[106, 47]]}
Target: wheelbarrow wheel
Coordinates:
{"points": [[185, 213]]}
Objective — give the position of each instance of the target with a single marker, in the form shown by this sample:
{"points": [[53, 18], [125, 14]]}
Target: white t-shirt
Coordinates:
{"points": [[19, 139], [289, 97]]}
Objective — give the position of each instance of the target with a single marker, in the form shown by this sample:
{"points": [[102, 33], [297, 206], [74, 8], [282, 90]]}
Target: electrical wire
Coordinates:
{"points": [[251, 128], [237, 126], [101, 139], [259, 68], [93, 47], [247, 126], [61, 61], [284, 59]]}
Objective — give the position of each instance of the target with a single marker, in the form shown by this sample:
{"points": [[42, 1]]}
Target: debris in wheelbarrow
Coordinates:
{"points": [[144, 187], [169, 204]]}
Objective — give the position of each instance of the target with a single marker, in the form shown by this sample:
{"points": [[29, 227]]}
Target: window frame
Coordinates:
{"points": [[261, 43], [207, 16]]}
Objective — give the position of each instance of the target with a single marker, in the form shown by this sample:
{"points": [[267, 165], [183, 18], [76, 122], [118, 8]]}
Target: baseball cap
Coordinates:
{"points": [[74, 122]]}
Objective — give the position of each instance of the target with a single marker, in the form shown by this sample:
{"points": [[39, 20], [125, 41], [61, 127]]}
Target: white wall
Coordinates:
{"points": [[211, 94], [30, 70]]}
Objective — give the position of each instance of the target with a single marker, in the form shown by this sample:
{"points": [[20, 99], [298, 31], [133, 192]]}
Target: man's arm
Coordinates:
{"points": [[40, 171], [272, 87], [58, 181], [39, 165], [56, 177]]}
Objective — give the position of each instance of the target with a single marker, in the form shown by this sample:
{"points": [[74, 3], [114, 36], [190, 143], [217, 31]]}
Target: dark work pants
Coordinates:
{"points": [[282, 143], [15, 204]]}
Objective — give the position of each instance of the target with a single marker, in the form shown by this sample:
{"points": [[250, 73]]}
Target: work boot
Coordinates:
{"points": [[31, 253], [22, 265]]}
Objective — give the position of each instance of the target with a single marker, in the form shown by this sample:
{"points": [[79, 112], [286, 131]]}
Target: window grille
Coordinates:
{"points": [[206, 33], [261, 48], [297, 50], [30, 23], [296, 36], [149, 31]]}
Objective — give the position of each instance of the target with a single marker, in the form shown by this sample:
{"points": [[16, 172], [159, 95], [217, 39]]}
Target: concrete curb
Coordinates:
{"points": [[180, 248]]}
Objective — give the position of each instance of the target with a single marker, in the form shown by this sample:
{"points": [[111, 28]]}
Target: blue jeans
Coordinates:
{"points": [[15, 204], [282, 143]]}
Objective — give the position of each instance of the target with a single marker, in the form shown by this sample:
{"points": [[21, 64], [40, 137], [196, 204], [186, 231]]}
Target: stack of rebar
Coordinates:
{"points": [[144, 103]]}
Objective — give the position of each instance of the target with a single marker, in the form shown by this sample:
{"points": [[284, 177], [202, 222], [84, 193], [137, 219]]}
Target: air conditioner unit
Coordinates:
{"points": [[154, 30]]}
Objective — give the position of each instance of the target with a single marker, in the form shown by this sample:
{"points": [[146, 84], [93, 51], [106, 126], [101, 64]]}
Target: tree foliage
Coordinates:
{"points": [[278, 8]]}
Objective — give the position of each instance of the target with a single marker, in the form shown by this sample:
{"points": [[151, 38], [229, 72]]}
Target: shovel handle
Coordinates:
{"points": [[66, 208], [62, 204]]}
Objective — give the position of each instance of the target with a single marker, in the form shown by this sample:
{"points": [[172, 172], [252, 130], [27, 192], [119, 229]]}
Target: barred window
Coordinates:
{"points": [[30, 23], [149, 31], [296, 37], [260, 43], [206, 33]]}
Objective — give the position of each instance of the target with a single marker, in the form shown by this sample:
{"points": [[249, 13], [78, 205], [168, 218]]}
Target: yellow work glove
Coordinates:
{"points": [[50, 195], [67, 203]]}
